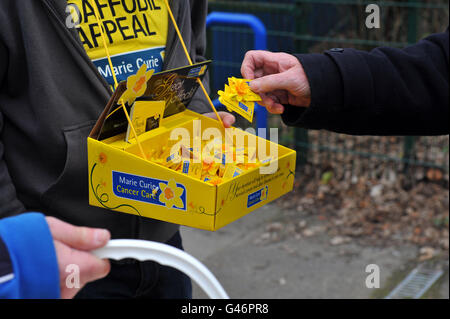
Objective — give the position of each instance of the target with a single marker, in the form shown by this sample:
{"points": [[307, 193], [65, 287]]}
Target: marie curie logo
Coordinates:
{"points": [[257, 197], [149, 190]]}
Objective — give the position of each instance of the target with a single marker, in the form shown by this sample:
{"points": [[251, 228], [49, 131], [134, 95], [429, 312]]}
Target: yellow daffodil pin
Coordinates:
{"points": [[171, 194], [238, 97], [137, 85]]}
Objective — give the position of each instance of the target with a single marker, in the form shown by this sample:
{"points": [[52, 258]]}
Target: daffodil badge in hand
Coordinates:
{"points": [[238, 97]]}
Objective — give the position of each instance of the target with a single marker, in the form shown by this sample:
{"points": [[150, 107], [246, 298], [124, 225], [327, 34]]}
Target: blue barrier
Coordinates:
{"points": [[260, 43]]}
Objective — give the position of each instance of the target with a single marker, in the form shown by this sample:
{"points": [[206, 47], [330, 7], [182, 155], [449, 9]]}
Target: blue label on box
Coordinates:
{"points": [[237, 172], [186, 166], [171, 157], [198, 71], [149, 190], [257, 197], [243, 106]]}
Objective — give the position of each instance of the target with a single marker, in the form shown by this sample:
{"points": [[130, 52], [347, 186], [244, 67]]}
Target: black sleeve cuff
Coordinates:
{"points": [[326, 92]]}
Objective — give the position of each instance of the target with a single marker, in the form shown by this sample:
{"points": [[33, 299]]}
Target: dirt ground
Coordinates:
{"points": [[259, 256]]}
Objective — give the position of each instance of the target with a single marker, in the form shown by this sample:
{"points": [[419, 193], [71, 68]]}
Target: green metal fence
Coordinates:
{"points": [[314, 26]]}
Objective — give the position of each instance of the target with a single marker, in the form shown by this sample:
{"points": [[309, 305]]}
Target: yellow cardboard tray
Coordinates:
{"points": [[121, 180]]}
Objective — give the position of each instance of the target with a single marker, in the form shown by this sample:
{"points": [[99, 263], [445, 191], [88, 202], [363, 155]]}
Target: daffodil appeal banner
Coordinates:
{"points": [[135, 32]]}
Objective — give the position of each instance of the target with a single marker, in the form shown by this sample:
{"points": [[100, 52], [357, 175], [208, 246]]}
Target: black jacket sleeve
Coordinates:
{"points": [[385, 91]]}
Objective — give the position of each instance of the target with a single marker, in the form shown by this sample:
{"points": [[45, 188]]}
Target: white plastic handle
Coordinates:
{"points": [[165, 255]]}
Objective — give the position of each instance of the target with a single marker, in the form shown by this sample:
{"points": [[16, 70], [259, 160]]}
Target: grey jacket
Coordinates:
{"points": [[50, 97]]}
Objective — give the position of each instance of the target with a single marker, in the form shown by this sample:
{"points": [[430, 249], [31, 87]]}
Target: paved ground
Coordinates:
{"points": [[306, 267]]}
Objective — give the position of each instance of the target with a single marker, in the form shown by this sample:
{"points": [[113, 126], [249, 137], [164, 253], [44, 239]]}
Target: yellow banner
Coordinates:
{"points": [[135, 31]]}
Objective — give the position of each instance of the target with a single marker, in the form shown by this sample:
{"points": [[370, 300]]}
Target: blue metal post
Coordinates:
{"points": [[260, 32]]}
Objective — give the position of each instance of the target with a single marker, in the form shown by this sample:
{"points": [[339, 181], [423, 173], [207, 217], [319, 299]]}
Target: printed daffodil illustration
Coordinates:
{"points": [[102, 158], [137, 85], [171, 194]]}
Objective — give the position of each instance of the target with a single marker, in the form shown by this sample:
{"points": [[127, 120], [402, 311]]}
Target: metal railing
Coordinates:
{"points": [[299, 26], [260, 43]]}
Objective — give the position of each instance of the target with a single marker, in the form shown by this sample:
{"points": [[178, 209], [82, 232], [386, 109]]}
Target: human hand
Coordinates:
{"points": [[278, 78], [227, 118], [72, 245]]}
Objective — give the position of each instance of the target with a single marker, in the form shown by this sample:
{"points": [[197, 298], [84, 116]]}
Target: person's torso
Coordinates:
{"points": [[51, 95]]}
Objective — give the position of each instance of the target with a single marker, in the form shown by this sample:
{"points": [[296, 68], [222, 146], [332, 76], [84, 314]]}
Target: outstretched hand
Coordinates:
{"points": [[278, 78]]}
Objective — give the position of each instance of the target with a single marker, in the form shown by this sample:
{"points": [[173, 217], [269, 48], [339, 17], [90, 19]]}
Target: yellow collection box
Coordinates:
{"points": [[123, 179]]}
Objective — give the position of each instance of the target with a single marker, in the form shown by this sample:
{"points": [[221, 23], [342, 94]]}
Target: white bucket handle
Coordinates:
{"points": [[165, 255]]}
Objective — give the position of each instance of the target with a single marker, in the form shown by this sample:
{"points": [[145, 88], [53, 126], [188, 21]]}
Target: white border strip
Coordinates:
{"points": [[126, 53], [6, 278]]}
